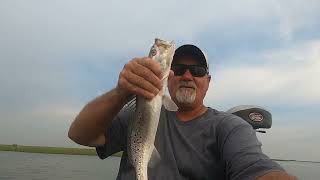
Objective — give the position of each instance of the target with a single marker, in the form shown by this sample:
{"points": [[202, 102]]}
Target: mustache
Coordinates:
{"points": [[189, 84]]}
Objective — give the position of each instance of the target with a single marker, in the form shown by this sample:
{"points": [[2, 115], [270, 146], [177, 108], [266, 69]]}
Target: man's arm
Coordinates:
{"points": [[89, 126], [277, 175], [241, 151], [140, 76]]}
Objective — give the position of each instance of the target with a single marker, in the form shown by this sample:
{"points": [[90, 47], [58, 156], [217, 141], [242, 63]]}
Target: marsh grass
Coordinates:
{"points": [[51, 150]]}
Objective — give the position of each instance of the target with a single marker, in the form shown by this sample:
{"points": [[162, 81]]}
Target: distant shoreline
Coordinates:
{"points": [[82, 151], [292, 160], [51, 150]]}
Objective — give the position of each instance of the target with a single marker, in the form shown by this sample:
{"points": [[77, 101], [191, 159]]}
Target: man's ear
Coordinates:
{"points": [[171, 74], [209, 77]]}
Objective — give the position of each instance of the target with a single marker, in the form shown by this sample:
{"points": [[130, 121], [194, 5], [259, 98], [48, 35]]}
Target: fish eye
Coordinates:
{"points": [[153, 51]]}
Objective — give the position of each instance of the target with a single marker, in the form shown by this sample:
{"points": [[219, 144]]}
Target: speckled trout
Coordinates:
{"points": [[142, 127]]}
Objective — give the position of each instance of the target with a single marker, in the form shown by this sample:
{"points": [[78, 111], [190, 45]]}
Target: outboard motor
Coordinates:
{"points": [[256, 116]]}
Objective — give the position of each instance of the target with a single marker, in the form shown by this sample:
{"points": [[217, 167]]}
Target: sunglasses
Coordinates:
{"points": [[195, 70]]}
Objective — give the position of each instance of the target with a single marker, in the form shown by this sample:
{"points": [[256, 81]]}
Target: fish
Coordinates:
{"points": [[142, 127]]}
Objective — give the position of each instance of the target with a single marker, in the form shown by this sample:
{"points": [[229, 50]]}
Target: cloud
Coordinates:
{"points": [[57, 55], [46, 126], [118, 26], [294, 16], [279, 77]]}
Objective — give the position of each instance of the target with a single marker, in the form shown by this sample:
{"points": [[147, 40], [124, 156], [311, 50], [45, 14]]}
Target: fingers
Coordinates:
{"points": [[151, 65], [141, 76], [133, 89], [150, 71], [139, 82]]}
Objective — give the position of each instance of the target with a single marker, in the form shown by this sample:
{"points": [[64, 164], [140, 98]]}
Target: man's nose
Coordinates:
{"points": [[187, 75]]}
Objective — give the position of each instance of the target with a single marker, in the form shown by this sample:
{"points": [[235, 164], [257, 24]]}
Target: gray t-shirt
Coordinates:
{"points": [[216, 145]]}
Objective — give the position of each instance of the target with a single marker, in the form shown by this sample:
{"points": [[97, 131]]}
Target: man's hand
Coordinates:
{"points": [[140, 76]]}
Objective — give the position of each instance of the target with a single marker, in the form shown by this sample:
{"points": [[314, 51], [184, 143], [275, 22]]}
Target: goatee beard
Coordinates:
{"points": [[186, 95]]}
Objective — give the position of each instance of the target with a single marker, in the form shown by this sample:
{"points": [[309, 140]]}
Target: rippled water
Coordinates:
{"points": [[27, 166]]}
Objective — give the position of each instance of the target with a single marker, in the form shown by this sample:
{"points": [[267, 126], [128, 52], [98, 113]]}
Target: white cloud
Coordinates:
{"points": [[294, 15], [59, 27], [285, 76]]}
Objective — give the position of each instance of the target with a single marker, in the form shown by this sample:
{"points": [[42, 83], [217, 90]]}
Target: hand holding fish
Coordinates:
{"points": [[140, 76]]}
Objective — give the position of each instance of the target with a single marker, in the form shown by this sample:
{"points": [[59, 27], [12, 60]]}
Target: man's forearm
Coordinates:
{"points": [[89, 126], [140, 76], [277, 175]]}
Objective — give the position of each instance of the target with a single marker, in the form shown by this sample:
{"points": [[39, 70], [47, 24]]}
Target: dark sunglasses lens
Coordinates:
{"points": [[195, 70], [178, 70], [198, 71]]}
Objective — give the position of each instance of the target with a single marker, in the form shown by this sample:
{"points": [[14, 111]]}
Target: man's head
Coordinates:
{"points": [[190, 82]]}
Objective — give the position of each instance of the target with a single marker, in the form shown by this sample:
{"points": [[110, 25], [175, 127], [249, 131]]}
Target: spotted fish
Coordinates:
{"points": [[142, 127]]}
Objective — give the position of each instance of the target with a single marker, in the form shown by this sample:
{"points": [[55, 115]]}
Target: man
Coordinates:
{"points": [[194, 142]]}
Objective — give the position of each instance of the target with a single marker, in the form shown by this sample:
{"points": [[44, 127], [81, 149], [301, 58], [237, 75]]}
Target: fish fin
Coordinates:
{"points": [[131, 105], [168, 103], [155, 158], [166, 75]]}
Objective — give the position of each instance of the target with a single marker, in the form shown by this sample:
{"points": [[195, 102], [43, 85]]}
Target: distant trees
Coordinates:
{"points": [[15, 147]]}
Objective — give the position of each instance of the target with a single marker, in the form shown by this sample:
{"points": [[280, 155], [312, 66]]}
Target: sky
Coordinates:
{"points": [[55, 56]]}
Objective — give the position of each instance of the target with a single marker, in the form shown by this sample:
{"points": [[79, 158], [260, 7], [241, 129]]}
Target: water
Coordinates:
{"points": [[33, 166], [302, 170]]}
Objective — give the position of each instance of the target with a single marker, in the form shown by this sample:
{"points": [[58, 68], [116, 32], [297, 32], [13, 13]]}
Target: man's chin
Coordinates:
{"points": [[185, 102], [187, 88], [185, 99]]}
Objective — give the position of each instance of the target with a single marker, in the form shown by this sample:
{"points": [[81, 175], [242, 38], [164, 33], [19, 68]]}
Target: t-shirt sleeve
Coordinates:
{"points": [[241, 151], [116, 136]]}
